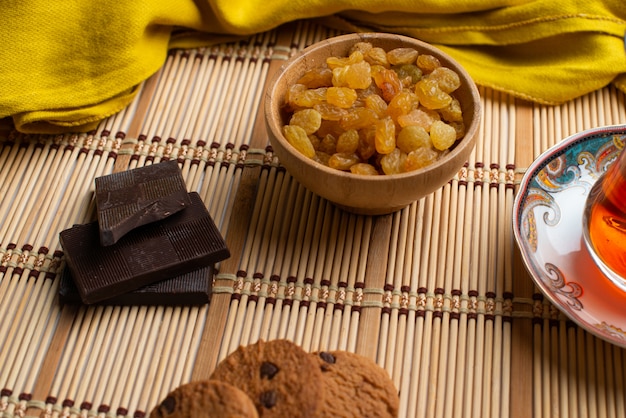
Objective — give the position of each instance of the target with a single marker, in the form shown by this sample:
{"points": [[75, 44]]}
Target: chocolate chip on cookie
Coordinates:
{"points": [[205, 399], [355, 387], [281, 378]]}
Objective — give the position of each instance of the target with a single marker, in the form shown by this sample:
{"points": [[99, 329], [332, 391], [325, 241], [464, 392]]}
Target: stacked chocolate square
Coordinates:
{"points": [[152, 243]]}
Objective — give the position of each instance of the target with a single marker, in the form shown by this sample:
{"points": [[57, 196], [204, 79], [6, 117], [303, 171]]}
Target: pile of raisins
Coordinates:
{"points": [[375, 111]]}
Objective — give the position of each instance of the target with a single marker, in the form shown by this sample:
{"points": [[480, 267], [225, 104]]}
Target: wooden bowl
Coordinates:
{"points": [[368, 195]]}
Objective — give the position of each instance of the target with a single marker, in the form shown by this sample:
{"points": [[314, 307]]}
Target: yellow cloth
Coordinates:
{"points": [[65, 65]]}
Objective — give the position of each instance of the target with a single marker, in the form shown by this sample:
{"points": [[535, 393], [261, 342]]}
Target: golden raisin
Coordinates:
{"points": [[419, 117], [399, 56], [403, 102], [307, 98], [321, 157], [328, 144], [388, 82], [367, 139], [329, 127], [393, 163], [427, 63], [358, 118], [420, 158], [447, 79], [408, 71], [348, 142], [364, 169], [376, 56], [308, 119], [342, 97], [412, 138], [355, 76], [336, 62], [342, 161], [385, 139], [298, 138], [459, 127], [317, 77], [362, 47], [430, 95], [377, 104], [329, 111], [452, 112], [442, 135]]}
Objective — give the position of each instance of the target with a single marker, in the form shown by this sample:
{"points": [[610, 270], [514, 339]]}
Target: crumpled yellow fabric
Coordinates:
{"points": [[65, 65]]}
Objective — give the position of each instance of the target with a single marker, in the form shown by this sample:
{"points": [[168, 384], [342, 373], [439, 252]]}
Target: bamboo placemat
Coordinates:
{"points": [[435, 293]]}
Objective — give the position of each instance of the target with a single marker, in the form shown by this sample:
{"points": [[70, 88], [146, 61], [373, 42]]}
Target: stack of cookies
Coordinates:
{"points": [[152, 242], [279, 379]]}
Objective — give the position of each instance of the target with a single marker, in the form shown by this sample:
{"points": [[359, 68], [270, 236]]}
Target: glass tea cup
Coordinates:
{"points": [[604, 222]]}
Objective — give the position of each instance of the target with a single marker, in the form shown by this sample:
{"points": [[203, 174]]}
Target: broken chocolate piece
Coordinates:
{"points": [[193, 288], [178, 244], [136, 197]]}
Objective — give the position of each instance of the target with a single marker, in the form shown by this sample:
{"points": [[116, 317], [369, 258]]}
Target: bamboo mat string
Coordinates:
{"points": [[391, 322], [441, 341], [359, 278], [403, 282], [339, 281], [299, 312], [330, 282], [240, 305], [286, 328], [300, 200], [389, 316], [259, 250], [329, 279], [315, 265], [428, 273], [276, 251], [508, 247], [449, 320], [481, 373]]}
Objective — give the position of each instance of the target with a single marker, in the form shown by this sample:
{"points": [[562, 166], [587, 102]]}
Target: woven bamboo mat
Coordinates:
{"points": [[435, 293]]}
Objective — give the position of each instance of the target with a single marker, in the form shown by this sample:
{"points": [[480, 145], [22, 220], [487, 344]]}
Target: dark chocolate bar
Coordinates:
{"points": [[181, 243], [136, 197], [193, 288]]}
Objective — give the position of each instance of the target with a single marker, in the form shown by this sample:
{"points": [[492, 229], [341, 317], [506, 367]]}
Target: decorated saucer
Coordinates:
{"points": [[547, 224]]}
